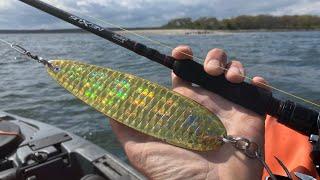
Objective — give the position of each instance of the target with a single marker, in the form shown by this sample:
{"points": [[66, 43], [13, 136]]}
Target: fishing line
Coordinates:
{"points": [[254, 98], [200, 59], [6, 42], [191, 56], [195, 57], [15, 58]]}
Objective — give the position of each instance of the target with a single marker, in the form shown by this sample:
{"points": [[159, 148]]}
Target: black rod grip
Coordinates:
{"points": [[299, 117], [249, 96]]}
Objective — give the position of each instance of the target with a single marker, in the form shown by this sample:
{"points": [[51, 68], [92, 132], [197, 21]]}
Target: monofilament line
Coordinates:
{"points": [[194, 57]]}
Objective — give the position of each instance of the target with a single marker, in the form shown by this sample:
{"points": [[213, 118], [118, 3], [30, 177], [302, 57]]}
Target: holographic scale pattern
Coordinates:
{"points": [[142, 105]]}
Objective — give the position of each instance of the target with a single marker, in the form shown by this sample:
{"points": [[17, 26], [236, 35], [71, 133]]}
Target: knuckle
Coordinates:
{"points": [[218, 51], [183, 48], [259, 79], [236, 63], [218, 54]]}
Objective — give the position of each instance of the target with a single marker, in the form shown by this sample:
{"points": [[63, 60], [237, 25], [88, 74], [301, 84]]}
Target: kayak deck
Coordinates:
{"points": [[47, 152]]}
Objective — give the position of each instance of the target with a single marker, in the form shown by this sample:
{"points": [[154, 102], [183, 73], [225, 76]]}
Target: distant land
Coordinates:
{"points": [[242, 23], [74, 30], [159, 31]]}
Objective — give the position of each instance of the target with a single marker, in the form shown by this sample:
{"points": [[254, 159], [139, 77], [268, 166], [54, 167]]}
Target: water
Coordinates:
{"points": [[288, 60]]}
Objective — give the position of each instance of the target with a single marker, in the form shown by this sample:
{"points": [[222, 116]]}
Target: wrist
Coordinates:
{"points": [[236, 161]]}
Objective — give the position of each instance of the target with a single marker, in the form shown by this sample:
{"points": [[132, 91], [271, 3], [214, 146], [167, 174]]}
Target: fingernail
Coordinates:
{"points": [[242, 73], [234, 70], [214, 63]]}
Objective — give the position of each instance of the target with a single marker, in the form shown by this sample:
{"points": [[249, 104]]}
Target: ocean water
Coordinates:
{"points": [[288, 60]]}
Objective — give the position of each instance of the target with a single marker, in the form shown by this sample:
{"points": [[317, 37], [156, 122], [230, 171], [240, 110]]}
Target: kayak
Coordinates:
{"points": [[33, 150]]}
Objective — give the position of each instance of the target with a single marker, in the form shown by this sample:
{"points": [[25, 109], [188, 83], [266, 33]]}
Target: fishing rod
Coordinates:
{"points": [[254, 98]]}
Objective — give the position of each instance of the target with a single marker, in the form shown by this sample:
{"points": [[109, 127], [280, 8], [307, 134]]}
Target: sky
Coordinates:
{"points": [[145, 13]]}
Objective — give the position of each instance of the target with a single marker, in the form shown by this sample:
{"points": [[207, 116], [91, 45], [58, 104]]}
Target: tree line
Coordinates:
{"points": [[247, 22]]}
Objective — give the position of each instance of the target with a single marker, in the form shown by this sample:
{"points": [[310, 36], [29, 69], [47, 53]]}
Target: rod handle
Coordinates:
{"points": [[249, 96], [256, 99], [298, 117]]}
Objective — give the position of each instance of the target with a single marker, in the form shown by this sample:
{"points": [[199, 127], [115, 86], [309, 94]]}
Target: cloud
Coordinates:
{"points": [[139, 13], [300, 8], [5, 4]]}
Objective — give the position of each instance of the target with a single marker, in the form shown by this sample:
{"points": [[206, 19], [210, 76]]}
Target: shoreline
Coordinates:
{"points": [[156, 31], [210, 32]]}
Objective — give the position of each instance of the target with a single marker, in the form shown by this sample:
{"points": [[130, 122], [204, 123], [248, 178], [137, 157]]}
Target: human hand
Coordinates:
{"points": [[159, 160]]}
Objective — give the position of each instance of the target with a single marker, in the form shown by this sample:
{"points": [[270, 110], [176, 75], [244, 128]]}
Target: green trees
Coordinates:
{"points": [[180, 23], [248, 22], [206, 23]]}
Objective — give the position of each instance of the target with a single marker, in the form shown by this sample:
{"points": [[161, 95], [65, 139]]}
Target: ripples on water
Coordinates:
{"points": [[288, 60]]}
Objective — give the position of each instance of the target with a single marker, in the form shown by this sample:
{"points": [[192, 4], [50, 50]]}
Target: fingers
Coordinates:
{"points": [[261, 82], [235, 72], [181, 53], [216, 64], [215, 59]]}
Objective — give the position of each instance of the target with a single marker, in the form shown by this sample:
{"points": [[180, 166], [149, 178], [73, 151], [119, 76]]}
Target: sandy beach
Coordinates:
{"points": [[204, 32], [177, 32]]}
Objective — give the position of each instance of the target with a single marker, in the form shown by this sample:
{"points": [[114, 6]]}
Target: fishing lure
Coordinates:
{"points": [[140, 104]]}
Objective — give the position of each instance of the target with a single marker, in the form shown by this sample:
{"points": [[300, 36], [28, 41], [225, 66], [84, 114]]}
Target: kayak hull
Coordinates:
{"points": [[47, 152]]}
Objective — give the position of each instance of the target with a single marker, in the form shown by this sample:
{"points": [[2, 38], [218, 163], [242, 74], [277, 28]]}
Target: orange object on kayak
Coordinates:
{"points": [[291, 147]]}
